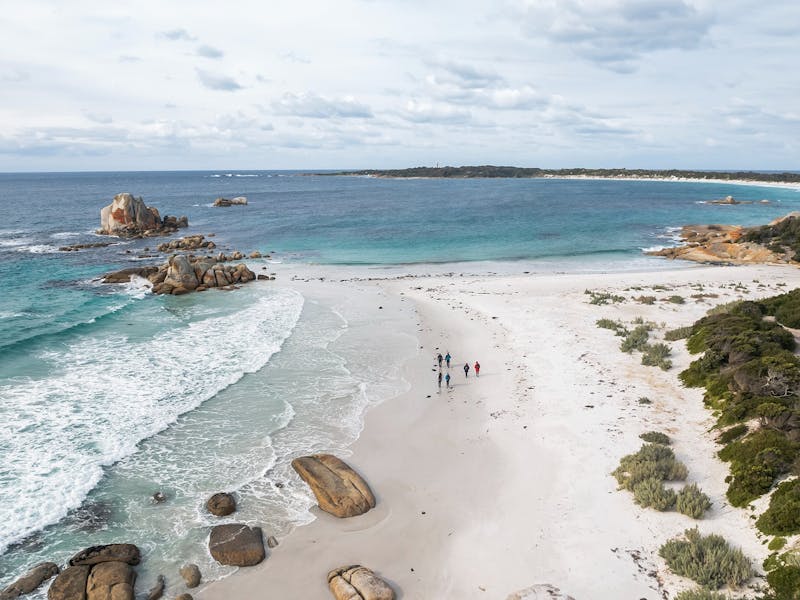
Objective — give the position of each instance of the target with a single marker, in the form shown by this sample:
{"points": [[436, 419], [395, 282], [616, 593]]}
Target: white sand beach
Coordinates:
{"points": [[503, 482]]}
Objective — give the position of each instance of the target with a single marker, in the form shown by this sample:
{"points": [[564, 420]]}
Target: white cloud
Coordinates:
{"points": [[308, 104], [215, 81]]}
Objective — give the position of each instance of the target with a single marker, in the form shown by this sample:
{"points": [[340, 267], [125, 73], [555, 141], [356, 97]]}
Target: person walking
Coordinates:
{"points": [[477, 368], [440, 380], [466, 369], [447, 380], [439, 358], [447, 358]]}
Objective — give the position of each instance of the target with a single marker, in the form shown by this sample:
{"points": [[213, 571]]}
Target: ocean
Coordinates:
{"points": [[109, 394]]}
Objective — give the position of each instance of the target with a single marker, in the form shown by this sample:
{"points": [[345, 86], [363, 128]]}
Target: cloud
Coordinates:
{"points": [[128, 58], [176, 35], [427, 112], [209, 52], [293, 57], [616, 34], [465, 75], [103, 119], [217, 82], [319, 107]]}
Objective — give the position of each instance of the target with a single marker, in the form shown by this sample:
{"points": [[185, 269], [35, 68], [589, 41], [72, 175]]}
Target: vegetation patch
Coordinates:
{"points": [[651, 461], [692, 502], [675, 299], [681, 333], [646, 300], [783, 515], [701, 594], [732, 433], [651, 493], [616, 326], [656, 437], [601, 298], [655, 355], [708, 560]]}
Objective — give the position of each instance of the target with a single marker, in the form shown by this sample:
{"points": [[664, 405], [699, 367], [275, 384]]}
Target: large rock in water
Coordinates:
{"points": [[237, 545], [128, 216], [358, 583], [181, 274], [70, 584], [221, 504], [340, 491], [30, 581], [111, 581], [127, 553], [238, 201]]}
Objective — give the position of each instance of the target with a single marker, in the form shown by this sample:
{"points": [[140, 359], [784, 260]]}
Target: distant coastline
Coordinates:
{"points": [[490, 171]]}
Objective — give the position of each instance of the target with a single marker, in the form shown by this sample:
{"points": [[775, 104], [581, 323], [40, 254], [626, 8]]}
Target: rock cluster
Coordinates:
{"points": [[238, 201], [77, 247], [718, 244], [128, 216], [190, 242], [35, 577], [355, 582], [339, 490], [183, 274], [98, 573], [236, 545]]}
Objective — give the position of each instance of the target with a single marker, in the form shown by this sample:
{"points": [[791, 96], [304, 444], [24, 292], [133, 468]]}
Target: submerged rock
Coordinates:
{"points": [[355, 582], [339, 490], [237, 545], [35, 577], [221, 504]]}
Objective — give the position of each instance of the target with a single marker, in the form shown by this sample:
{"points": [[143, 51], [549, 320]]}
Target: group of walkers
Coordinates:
{"points": [[446, 376]]}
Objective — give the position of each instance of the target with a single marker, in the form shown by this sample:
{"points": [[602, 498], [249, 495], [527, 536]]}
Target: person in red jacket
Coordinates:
{"points": [[477, 368]]}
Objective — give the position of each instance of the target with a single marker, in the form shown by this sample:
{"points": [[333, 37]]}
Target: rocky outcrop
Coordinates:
{"points": [[191, 575], [111, 580], [128, 216], [190, 242], [355, 582], [722, 244], [221, 504], [77, 247], [35, 577], [126, 553], [339, 490], [157, 590], [238, 201], [237, 545], [186, 273], [70, 584]]}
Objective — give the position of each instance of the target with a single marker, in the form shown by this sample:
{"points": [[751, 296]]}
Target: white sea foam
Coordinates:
{"points": [[104, 395], [62, 235], [38, 249]]}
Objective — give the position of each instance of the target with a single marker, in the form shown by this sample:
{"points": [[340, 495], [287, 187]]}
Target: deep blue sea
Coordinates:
{"points": [[108, 394]]}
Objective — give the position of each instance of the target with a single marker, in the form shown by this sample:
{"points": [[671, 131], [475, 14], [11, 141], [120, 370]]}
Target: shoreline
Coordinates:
{"points": [[512, 470]]}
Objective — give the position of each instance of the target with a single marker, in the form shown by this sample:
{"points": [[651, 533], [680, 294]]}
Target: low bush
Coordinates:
{"points": [[616, 326], [701, 594], [777, 543], [734, 433], [636, 339], [644, 400], [784, 583], [692, 502], [652, 460], [708, 560], [724, 307], [655, 355], [656, 437], [676, 299], [680, 333], [783, 515], [651, 493], [646, 300], [601, 298]]}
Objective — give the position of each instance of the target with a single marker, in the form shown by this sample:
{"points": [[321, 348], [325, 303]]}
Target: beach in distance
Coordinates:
{"points": [[130, 404]]}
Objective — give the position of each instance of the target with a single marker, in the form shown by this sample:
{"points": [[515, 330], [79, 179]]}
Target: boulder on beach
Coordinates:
{"points": [[355, 582], [237, 545], [238, 201], [221, 504], [70, 584], [128, 216], [126, 553], [184, 597], [35, 577], [111, 580], [339, 490], [191, 575]]}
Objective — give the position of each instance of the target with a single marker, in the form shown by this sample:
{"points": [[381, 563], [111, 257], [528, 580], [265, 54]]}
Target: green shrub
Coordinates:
{"points": [[651, 493], [655, 355], [701, 594], [601, 298], [734, 433], [644, 400], [680, 333], [616, 326], [724, 308], [708, 560], [652, 460], [656, 437], [636, 339], [784, 583], [676, 299], [783, 515], [646, 299], [785, 308], [777, 543], [692, 502]]}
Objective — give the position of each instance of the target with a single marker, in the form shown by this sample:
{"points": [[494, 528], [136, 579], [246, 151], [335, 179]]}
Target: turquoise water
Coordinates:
{"points": [[109, 394]]}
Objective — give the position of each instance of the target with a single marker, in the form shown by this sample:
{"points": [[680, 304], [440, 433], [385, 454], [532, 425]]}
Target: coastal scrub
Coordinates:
{"points": [[708, 560]]}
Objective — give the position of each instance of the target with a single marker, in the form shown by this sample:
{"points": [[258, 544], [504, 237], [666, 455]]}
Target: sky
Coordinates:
{"points": [[310, 84]]}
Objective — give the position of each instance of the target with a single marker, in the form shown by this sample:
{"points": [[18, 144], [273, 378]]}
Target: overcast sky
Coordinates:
{"points": [[165, 84]]}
